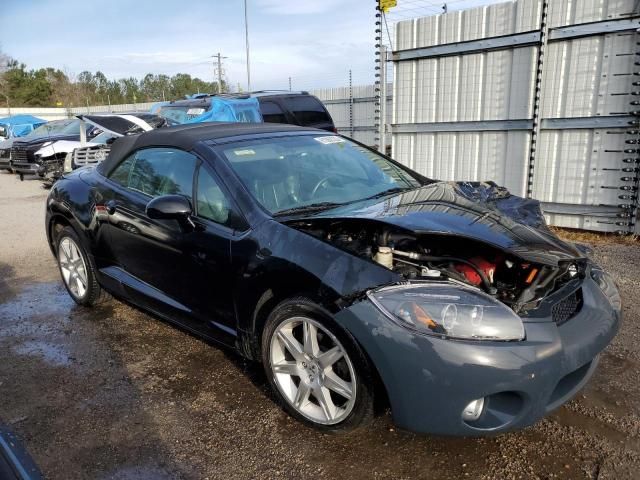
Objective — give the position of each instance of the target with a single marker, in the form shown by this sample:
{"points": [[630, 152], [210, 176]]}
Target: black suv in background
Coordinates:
{"points": [[296, 108]]}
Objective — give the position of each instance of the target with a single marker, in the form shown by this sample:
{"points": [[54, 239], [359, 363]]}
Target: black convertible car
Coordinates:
{"points": [[346, 274]]}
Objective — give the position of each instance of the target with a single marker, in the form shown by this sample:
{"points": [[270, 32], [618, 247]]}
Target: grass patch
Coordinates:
{"points": [[582, 236]]}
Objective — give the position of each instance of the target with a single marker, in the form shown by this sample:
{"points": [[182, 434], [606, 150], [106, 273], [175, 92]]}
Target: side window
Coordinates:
{"points": [[120, 174], [307, 109], [272, 113], [211, 202], [157, 171]]}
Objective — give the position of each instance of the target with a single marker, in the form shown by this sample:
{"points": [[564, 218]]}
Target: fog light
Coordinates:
{"points": [[473, 411]]}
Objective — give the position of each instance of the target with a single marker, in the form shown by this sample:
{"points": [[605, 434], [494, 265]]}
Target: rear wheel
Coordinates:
{"points": [[77, 271], [316, 369]]}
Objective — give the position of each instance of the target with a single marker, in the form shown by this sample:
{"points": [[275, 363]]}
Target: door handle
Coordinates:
{"points": [[111, 206]]}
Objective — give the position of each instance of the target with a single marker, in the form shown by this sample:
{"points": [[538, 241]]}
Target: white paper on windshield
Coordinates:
{"points": [[329, 139], [244, 152], [195, 111]]}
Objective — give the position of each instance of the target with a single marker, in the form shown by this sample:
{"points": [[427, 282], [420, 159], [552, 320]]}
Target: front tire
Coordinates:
{"points": [[77, 271], [318, 372]]}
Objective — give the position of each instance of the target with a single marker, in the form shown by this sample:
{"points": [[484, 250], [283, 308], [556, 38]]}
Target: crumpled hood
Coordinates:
{"points": [[62, 146], [37, 141], [479, 211]]}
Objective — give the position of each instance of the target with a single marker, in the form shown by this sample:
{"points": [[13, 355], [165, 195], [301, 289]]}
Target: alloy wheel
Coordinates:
{"points": [[73, 268], [312, 370]]}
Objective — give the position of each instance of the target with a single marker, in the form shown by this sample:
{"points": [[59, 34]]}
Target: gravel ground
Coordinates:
{"points": [[115, 393]]}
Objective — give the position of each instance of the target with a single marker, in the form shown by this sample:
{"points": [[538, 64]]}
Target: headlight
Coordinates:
{"points": [[68, 163], [448, 310], [607, 285]]}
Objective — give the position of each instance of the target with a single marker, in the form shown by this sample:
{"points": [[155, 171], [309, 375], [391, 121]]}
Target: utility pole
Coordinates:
{"points": [[246, 39], [289, 83], [219, 70]]}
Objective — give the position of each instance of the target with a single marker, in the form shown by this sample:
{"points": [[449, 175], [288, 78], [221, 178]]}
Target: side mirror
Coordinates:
{"points": [[171, 207]]}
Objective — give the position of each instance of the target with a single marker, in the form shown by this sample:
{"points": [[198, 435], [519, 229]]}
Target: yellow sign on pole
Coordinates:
{"points": [[385, 5]]}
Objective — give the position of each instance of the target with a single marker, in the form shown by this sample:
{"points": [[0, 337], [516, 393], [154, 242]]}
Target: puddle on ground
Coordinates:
{"points": [[138, 473], [39, 310], [52, 354], [36, 322], [50, 299]]}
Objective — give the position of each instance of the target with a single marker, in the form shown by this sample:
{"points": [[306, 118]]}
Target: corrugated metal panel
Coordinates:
{"points": [[576, 172], [495, 85], [571, 12], [582, 77], [464, 25], [596, 218], [572, 167], [483, 86], [473, 156]]}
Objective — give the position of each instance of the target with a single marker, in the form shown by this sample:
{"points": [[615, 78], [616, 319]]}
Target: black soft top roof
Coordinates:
{"points": [[186, 136]]}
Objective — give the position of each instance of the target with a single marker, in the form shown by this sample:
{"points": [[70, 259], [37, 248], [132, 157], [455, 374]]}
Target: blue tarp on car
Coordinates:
{"points": [[21, 125], [231, 110], [155, 108], [220, 109]]}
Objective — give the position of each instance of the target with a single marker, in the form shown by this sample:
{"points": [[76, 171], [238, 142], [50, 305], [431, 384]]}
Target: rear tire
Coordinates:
{"points": [[316, 369], [78, 271]]}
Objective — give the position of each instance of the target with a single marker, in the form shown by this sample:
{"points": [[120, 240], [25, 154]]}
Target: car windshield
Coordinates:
{"points": [[57, 127], [299, 173], [46, 129]]}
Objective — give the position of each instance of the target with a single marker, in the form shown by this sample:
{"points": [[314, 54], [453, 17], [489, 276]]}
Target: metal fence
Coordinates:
{"points": [[353, 110], [61, 112], [538, 95]]}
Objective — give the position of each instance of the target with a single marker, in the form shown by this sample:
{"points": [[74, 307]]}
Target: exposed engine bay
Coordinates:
{"points": [[517, 283]]}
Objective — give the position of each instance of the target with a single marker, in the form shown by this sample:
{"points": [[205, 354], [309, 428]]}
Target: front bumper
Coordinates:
{"points": [[26, 168], [430, 380]]}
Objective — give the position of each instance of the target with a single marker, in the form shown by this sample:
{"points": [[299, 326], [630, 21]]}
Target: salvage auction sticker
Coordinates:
{"points": [[329, 139], [246, 151]]}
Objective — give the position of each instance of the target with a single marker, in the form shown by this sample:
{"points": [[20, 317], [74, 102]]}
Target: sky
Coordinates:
{"points": [[315, 42]]}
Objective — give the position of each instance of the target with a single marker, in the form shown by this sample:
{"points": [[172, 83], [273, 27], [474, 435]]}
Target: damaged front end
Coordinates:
{"points": [[475, 235], [493, 322]]}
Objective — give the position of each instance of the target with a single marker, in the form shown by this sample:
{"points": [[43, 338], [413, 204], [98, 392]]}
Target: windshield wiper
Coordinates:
{"points": [[388, 192], [308, 208]]}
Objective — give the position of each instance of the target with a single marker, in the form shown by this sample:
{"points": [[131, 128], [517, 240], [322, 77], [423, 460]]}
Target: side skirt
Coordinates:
{"points": [[124, 285]]}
